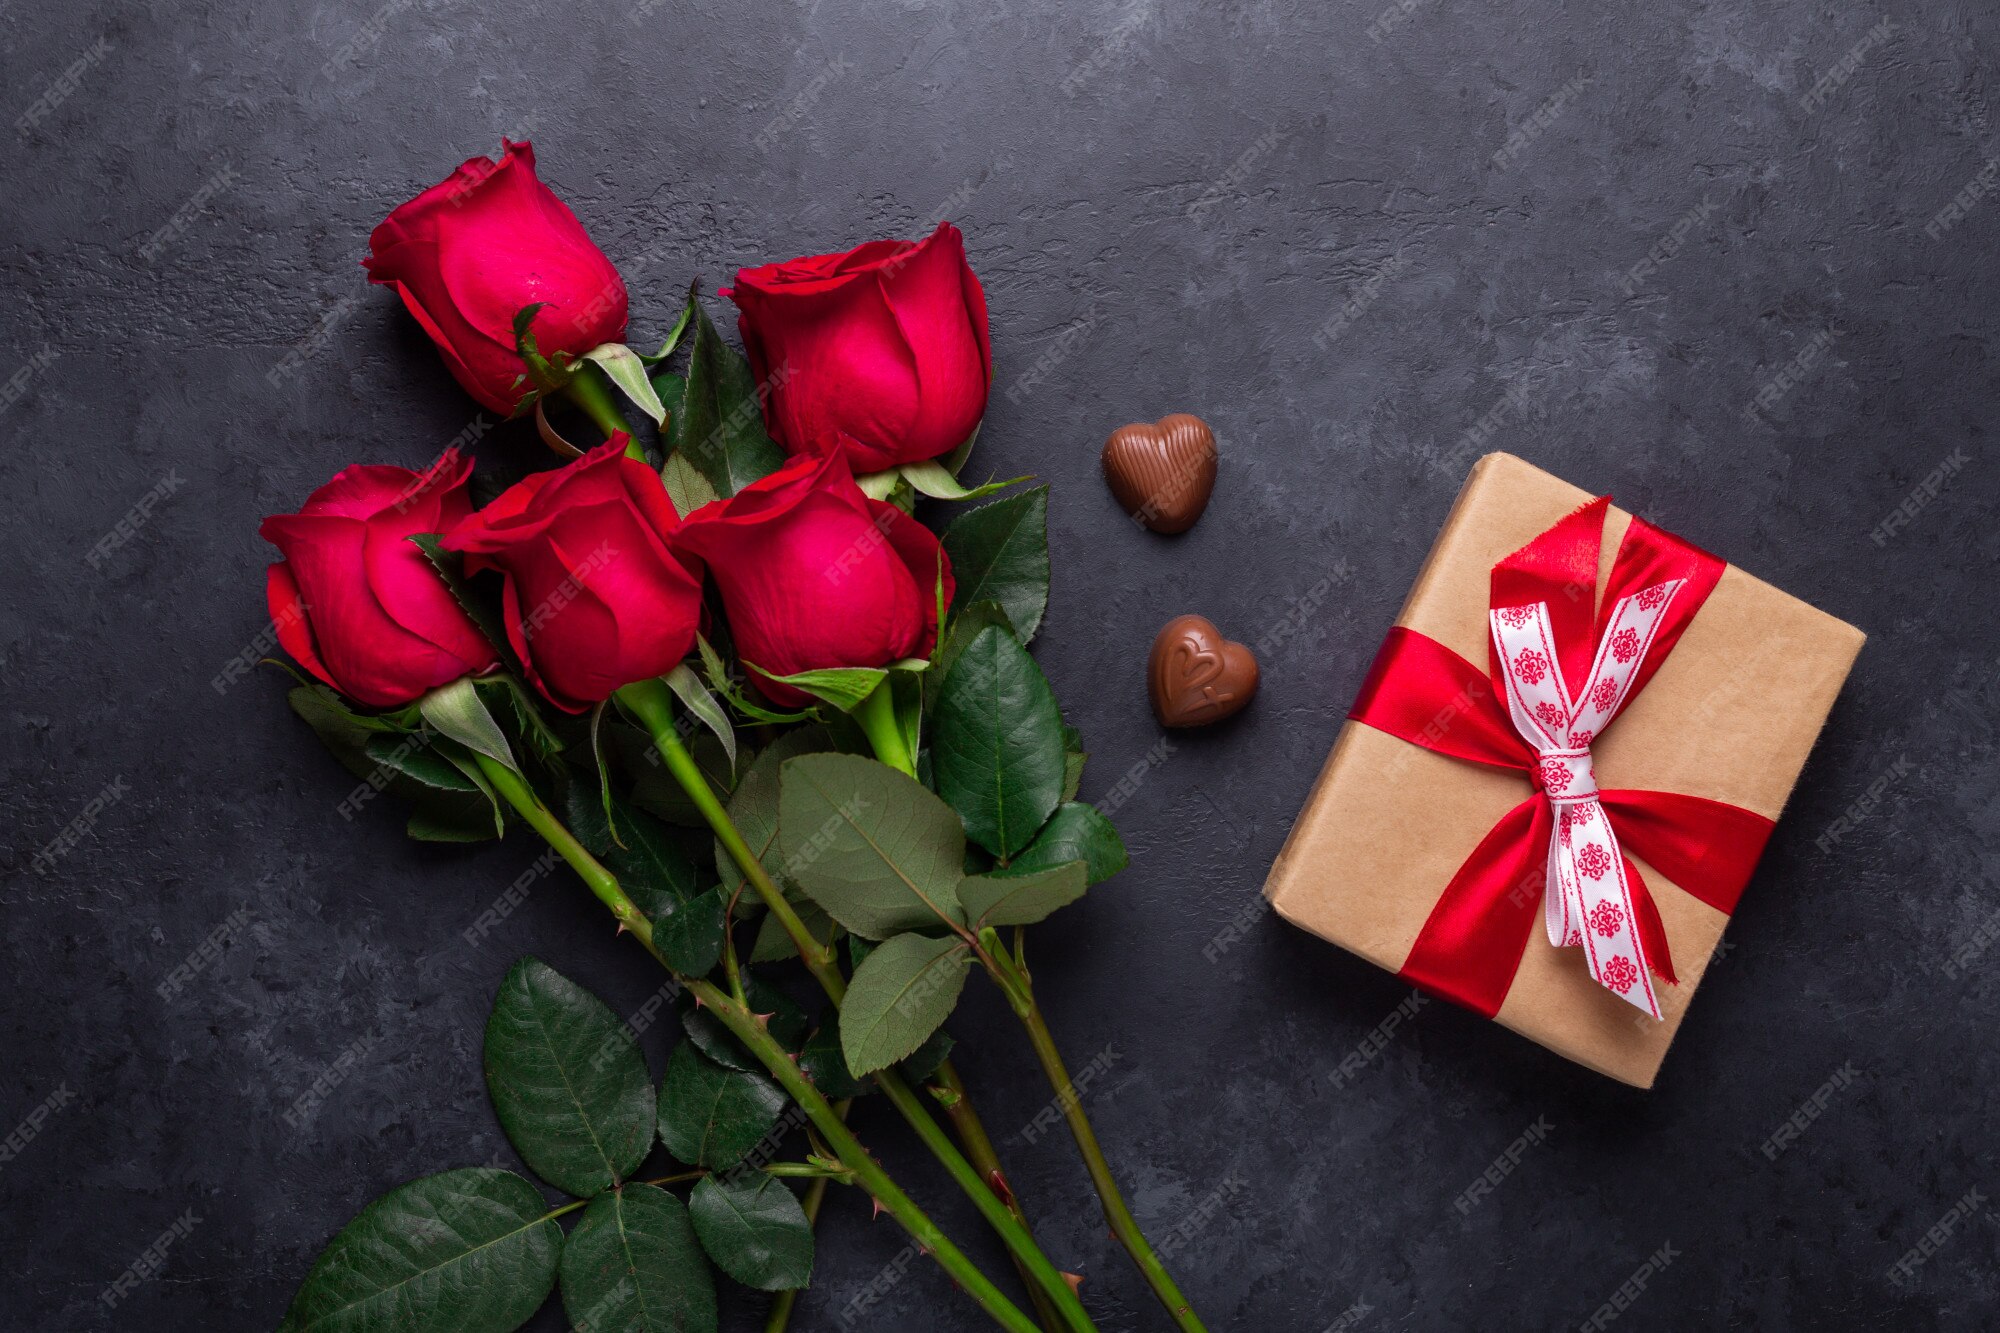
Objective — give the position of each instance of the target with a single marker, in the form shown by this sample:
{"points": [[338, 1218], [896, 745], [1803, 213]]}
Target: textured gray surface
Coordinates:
{"points": [[1167, 204]]}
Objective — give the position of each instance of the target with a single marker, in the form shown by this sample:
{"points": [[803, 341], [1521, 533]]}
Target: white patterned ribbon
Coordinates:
{"points": [[1588, 902]]}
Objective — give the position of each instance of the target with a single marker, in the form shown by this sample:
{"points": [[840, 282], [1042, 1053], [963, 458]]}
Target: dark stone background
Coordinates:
{"points": [[1168, 203]]}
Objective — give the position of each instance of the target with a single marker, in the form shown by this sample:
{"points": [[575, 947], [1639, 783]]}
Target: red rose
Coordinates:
{"points": [[594, 597], [815, 574], [467, 254], [356, 602], [880, 352]]}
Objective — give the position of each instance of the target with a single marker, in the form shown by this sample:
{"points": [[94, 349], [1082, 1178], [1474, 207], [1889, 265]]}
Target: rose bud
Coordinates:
{"points": [[467, 254], [356, 602], [880, 352], [815, 574], [594, 598]]}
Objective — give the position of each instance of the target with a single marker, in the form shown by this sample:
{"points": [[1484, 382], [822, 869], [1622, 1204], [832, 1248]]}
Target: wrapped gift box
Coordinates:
{"points": [[1729, 715]]}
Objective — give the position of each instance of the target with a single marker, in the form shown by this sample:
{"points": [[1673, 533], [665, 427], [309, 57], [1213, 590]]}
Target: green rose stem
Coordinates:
{"points": [[749, 1029], [876, 715], [590, 389], [652, 703], [1012, 976], [781, 1307]]}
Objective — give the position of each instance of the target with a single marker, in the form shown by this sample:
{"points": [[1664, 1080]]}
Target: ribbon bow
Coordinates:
{"points": [[1560, 672]]}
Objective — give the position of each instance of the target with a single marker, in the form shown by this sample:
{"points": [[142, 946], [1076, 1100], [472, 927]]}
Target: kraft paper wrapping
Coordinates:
{"points": [[1731, 716]]}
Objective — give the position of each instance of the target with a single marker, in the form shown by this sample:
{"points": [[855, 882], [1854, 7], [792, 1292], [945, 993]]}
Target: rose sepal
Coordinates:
{"points": [[626, 369], [845, 688]]}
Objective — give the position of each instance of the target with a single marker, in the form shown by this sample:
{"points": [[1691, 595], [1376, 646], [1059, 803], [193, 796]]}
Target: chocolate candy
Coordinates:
{"points": [[1196, 676], [1162, 473]]}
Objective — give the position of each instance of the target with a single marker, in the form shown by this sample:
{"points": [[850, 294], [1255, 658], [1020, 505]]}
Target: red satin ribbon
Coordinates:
{"points": [[1421, 691]]}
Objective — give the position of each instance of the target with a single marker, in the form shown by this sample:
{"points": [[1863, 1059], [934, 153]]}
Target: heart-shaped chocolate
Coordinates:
{"points": [[1162, 473], [1196, 676]]}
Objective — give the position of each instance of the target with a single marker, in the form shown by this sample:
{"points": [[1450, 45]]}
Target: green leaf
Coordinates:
{"points": [[519, 714], [900, 994], [870, 845], [720, 427], [1000, 552], [1022, 900], [624, 368], [440, 825], [670, 389], [998, 748], [924, 1061], [567, 1081], [774, 943], [710, 1116], [338, 725], [754, 1229], [1074, 756], [753, 806], [688, 688], [634, 1265], [470, 1251], [686, 487], [652, 868], [784, 1020], [585, 815], [1075, 832], [656, 790], [457, 711], [690, 935], [823, 1063], [962, 628], [712, 1038], [843, 687], [930, 478], [879, 485], [454, 803], [674, 334]]}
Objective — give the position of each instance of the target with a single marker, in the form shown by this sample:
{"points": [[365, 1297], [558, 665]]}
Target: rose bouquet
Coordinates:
{"points": [[765, 714]]}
